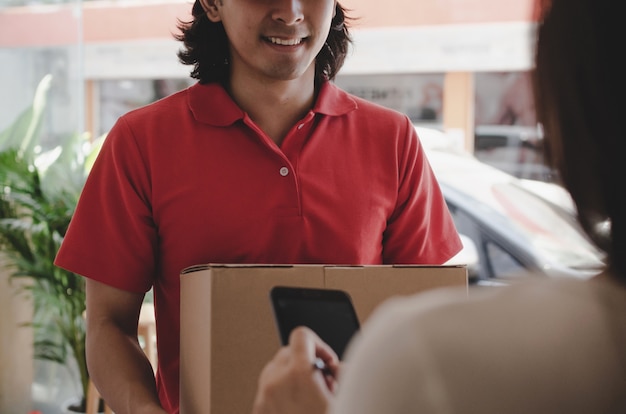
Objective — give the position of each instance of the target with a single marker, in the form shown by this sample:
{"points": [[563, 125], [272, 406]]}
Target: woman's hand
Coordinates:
{"points": [[293, 381]]}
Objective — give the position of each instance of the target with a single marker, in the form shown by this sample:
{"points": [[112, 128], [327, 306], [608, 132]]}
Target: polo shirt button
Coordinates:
{"points": [[284, 171], [300, 126]]}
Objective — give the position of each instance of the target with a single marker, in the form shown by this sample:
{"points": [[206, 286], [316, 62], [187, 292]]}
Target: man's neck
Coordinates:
{"points": [[275, 106]]}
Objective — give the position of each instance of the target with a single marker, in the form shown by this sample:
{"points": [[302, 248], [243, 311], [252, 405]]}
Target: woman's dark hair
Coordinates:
{"points": [[579, 98], [206, 47]]}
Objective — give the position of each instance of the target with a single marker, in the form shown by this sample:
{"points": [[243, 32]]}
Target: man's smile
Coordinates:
{"points": [[284, 42]]}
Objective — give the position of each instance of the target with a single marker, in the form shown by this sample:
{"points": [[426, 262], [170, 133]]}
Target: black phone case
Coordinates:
{"points": [[328, 312]]}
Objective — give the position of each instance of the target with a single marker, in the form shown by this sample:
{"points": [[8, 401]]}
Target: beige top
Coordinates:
{"points": [[554, 346]]}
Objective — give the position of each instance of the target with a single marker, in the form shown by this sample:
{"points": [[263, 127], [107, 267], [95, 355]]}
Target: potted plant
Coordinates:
{"points": [[40, 188]]}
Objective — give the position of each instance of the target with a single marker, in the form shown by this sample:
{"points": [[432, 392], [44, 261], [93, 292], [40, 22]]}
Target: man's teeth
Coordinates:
{"points": [[285, 42]]}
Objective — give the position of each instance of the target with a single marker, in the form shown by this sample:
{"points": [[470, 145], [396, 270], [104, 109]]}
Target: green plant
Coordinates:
{"points": [[39, 189]]}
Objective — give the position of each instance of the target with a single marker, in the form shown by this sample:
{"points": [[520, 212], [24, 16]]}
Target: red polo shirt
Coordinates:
{"points": [[191, 179]]}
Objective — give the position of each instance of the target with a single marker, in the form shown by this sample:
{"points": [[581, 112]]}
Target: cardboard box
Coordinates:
{"points": [[227, 328]]}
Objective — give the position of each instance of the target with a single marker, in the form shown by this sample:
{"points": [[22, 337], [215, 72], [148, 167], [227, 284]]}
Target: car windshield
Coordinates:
{"points": [[542, 213], [549, 227]]}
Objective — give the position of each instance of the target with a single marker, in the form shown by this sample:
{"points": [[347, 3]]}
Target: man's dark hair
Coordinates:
{"points": [[206, 47]]}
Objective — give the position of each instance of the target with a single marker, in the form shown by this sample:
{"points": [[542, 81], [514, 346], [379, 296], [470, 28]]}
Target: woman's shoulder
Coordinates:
{"points": [[502, 316], [493, 348], [521, 302]]}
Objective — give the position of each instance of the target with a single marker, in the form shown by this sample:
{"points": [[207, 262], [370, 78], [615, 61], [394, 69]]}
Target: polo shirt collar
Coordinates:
{"points": [[333, 101], [211, 104]]}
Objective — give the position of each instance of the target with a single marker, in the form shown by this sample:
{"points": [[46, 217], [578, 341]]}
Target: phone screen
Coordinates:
{"points": [[328, 312]]}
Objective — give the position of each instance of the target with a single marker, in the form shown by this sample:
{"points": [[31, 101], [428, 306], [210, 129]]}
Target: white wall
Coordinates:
{"points": [[16, 348]]}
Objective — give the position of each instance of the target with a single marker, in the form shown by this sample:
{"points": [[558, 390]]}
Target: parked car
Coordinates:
{"points": [[515, 227], [517, 150]]}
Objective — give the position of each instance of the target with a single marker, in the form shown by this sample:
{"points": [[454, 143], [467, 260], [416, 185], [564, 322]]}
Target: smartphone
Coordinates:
{"points": [[328, 312]]}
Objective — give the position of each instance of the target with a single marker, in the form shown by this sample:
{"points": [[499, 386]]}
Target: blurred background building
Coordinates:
{"points": [[453, 63]]}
